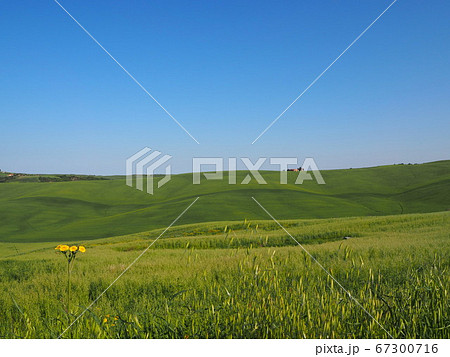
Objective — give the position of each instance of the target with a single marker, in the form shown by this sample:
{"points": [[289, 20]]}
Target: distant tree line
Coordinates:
{"points": [[8, 177], [60, 178]]}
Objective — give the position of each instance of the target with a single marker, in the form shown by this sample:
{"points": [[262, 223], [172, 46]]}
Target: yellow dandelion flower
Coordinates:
{"points": [[81, 249], [105, 320], [59, 246], [116, 318], [113, 325], [64, 248], [73, 248]]}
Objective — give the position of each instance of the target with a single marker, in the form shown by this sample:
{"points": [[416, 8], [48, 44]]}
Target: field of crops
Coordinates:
{"points": [[244, 279], [47, 211]]}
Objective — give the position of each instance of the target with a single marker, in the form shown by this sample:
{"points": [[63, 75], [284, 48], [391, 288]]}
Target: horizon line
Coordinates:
{"points": [[243, 170]]}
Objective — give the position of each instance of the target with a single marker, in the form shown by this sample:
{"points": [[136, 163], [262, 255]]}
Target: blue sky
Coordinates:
{"points": [[225, 70]]}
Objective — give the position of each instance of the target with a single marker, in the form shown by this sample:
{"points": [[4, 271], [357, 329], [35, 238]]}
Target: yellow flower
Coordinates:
{"points": [[64, 248], [73, 248], [81, 249], [59, 246], [105, 320]]}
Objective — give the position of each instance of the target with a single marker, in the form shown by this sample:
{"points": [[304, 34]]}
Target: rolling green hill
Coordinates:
{"points": [[50, 211]]}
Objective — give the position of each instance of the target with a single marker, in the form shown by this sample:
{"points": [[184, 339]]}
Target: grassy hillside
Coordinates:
{"points": [[80, 210], [239, 279]]}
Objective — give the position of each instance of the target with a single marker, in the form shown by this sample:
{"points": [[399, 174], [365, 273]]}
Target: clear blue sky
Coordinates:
{"points": [[225, 70]]}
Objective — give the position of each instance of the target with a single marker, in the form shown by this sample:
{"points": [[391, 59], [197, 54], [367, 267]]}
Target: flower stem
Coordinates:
{"points": [[68, 289]]}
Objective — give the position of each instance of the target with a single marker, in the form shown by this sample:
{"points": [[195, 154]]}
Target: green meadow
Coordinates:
{"points": [[50, 211], [239, 280], [226, 270]]}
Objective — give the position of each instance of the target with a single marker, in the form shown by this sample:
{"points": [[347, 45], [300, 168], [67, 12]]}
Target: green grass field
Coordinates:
{"points": [[226, 270], [49, 211], [239, 280]]}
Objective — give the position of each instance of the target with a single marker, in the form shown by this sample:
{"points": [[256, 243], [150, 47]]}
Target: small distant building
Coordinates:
{"points": [[10, 175]]}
